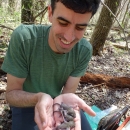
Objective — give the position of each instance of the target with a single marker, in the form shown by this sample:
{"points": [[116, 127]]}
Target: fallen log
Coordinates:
{"points": [[110, 81]]}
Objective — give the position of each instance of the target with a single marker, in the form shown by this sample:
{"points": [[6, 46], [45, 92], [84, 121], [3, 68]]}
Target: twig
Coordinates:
{"points": [[3, 26], [40, 12], [93, 86], [119, 25], [98, 85], [43, 15]]}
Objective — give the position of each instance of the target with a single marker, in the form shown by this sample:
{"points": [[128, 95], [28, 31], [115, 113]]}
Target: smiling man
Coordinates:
{"points": [[44, 65]]}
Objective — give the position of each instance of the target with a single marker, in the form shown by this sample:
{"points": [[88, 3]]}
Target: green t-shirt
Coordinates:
{"points": [[30, 56]]}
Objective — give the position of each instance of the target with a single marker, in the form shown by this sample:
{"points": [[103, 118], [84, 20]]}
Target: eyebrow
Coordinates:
{"points": [[85, 24], [61, 18]]}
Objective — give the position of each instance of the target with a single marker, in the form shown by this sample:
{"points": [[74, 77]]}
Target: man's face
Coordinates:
{"points": [[67, 28]]}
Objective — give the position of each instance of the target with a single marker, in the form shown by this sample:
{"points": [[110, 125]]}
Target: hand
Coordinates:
{"points": [[44, 112], [75, 102]]}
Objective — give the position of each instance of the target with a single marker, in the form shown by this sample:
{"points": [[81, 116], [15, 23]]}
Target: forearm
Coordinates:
{"points": [[68, 90], [71, 85], [20, 98]]}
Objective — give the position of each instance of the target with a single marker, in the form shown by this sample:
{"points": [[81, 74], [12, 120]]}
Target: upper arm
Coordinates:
{"points": [[15, 60], [14, 83], [71, 85]]}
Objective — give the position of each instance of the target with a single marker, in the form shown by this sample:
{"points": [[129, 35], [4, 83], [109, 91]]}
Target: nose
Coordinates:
{"points": [[69, 35]]}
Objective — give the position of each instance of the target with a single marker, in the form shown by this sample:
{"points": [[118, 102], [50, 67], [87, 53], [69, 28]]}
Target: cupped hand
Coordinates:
{"points": [[44, 112], [77, 104]]}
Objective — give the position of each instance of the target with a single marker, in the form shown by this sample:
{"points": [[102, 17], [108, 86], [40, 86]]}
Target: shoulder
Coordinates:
{"points": [[83, 46], [83, 43], [26, 32]]}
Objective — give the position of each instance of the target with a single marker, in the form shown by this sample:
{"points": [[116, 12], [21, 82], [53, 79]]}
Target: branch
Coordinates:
{"points": [[118, 23], [40, 12], [43, 16], [3, 26]]}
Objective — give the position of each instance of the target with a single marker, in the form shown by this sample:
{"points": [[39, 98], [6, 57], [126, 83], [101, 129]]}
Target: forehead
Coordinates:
{"points": [[70, 15]]}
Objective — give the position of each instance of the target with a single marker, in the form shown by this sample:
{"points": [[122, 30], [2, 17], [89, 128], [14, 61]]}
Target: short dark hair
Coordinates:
{"points": [[78, 6]]}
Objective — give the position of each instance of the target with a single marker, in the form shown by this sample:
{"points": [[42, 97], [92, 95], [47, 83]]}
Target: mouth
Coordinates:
{"points": [[65, 42]]}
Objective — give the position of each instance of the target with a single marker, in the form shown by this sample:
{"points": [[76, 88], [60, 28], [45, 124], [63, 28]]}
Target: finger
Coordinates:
{"points": [[38, 120], [43, 117], [51, 122], [58, 118], [85, 107], [48, 128], [50, 116], [57, 123], [77, 121]]}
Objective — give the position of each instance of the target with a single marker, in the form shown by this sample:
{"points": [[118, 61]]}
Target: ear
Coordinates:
{"points": [[50, 13]]}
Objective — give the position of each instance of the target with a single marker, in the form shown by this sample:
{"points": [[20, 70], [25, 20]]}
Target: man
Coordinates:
{"points": [[44, 63]]}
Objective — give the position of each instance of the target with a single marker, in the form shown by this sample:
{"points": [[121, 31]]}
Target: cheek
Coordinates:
{"points": [[59, 30], [79, 34]]}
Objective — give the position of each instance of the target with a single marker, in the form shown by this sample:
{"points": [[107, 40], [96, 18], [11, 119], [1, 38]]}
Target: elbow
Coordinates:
{"points": [[8, 96]]}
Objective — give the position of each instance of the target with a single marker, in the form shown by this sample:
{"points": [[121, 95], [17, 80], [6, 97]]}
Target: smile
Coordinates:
{"points": [[65, 42]]}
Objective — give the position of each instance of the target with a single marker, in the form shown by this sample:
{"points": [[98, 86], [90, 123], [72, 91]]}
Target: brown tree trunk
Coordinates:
{"points": [[26, 14], [103, 26], [1, 71], [110, 81], [12, 4]]}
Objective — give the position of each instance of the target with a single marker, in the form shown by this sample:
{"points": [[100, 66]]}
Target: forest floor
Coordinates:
{"points": [[115, 63]]}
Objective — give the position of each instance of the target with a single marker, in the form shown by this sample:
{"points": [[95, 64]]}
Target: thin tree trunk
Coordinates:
{"points": [[120, 10], [27, 15], [11, 4], [126, 15], [103, 26]]}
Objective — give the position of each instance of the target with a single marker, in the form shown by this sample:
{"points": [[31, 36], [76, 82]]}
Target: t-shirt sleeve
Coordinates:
{"points": [[84, 58], [15, 60]]}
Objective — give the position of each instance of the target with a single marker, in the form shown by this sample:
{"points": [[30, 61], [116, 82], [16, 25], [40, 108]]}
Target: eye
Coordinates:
{"points": [[80, 28], [63, 23]]}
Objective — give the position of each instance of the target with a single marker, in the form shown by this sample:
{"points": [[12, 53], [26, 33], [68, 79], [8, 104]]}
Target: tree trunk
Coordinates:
{"points": [[0, 3], [1, 71], [103, 26], [27, 15], [11, 4], [126, 16]]}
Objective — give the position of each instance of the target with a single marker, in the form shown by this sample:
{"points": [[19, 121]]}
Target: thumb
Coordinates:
{"points": [[85, 107], [40, 119]]}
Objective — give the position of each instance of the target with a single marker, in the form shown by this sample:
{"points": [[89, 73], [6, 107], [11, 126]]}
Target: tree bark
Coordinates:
{"points": [[11, 4], [26, 12], [103, 26], [126, 16], [1, 71], [110, 81]]}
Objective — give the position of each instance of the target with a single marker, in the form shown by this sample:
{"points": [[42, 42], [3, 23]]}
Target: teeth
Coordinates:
{"points": [[65, 42]]}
